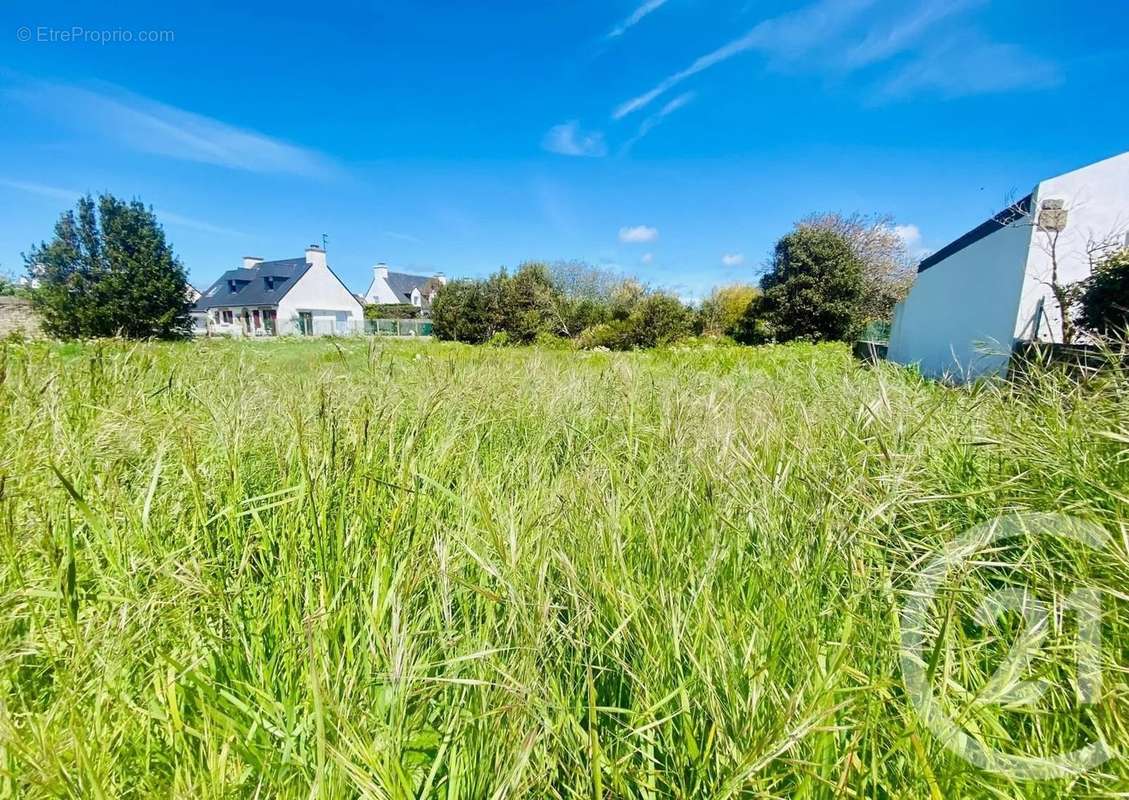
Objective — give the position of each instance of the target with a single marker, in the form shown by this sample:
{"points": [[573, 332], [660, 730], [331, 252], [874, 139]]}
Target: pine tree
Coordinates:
{"points": [[108, 271]]}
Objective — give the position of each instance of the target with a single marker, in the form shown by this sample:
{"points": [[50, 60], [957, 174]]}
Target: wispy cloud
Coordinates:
{"points": [[647, 258], [733, 259], [904, 32], [567, 139], [650, 122], [149, 126], [635, 17], [963, 66], [163, 216], [637, 234], [788, 36]]}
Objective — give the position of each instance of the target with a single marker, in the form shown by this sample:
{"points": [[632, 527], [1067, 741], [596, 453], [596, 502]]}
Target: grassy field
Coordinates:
{"points": [[392, 569]]}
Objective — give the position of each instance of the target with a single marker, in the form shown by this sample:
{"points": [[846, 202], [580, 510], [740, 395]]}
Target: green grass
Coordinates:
{"points": [[390, 570]]}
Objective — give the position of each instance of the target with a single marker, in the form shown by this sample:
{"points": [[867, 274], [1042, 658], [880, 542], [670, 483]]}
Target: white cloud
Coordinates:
{"points": [[909, 234], [71, 196], [963, 66], [635, 17], [788, 36], [650, 122], [568, 139], [733, 259], [647, 258], [152, 127], [638, 234], [901, 34]]}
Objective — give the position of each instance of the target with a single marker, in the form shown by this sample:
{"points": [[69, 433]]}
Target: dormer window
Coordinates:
{"points": [[231, 286], [270, 283]]}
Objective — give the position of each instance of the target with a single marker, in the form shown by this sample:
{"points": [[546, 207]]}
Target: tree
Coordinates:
{"points": [[466, 311], [109, 272], [814, 287], [1104, 300], [530, 303], [888, 268], [722, 312]]}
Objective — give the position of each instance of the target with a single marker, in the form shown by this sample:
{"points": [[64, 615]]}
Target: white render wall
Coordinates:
{"points": [[958, 320], [1096, 199], [332, 306]]}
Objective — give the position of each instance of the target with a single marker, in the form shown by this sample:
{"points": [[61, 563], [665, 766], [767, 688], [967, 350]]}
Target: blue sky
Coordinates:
{"points": [[671, 139]]}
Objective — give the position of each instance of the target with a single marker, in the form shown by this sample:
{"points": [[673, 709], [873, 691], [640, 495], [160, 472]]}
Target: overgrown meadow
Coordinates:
{"points": [[392, 569]]}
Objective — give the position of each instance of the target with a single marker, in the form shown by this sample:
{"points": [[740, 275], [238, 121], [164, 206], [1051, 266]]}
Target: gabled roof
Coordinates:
{"points": [[403, 284], [251, 285], [1001, 220]]}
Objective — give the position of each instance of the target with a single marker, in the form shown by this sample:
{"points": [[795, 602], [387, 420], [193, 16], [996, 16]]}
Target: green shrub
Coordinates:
{"points": [[109, 272], [392, 311], [1104, 302], [814, 288]]}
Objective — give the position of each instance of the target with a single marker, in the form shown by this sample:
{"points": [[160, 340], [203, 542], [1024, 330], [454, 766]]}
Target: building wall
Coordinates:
{"points": [[332, 306], [1096, 199], [380, 293], [18, 316], [959, 318]]}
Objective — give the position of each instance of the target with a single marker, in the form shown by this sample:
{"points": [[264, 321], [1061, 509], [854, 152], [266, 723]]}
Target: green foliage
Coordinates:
{"points": [[641, 321], [814, 288], [10, 286], [109, 272], [388, 569], [724, 310], [392, 311], [1104, 300], [466, 311]]}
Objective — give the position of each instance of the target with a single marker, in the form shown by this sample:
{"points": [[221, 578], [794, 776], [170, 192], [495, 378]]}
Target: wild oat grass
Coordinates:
{"points": [[391, 570]]}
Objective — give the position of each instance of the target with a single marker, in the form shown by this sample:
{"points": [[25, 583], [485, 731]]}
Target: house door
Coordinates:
{"points": [[255, 319], [270, 317], [306, 323]]}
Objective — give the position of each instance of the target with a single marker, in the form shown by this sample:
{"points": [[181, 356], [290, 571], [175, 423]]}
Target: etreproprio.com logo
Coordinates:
{"points": [[922, 644]]}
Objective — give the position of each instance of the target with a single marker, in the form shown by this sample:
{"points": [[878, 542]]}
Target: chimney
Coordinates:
{"points": [[380, 271], [250, 262], [439, 276], [315, 256]]}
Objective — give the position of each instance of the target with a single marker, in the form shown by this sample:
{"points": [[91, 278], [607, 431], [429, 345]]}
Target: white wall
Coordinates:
{"points": [[959, 318], [333, 307], [1096, 199], [379, 292]]}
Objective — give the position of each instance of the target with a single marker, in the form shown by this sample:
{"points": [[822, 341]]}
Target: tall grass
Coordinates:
{"points": [[401, 570]]}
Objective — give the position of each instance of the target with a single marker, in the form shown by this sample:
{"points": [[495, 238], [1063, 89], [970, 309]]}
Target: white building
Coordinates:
{"points": [[389, 288], [977, 296], [273, 298]]}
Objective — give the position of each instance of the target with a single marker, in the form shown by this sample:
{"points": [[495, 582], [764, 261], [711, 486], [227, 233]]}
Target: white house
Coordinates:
{"points": [[977, 296], [399, 287], [272, 298]]}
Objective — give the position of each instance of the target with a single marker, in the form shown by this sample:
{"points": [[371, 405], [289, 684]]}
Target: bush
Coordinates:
{"points": [[814, 288], [1104, 302], [392, 311], [110, 272], [724, 310], [465, 311], [656, 319]]}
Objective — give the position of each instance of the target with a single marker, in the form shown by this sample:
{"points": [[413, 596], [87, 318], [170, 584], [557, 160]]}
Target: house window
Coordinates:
{"points": [[270, 283], [270, 317], [227, 318]]}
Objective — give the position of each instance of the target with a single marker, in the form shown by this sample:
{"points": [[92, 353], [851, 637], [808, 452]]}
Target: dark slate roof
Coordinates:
{"points": [[251, 284], [404, 284], [1004, 218]]}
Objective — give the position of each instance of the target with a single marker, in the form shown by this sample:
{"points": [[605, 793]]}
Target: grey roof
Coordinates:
{"points": [[249, 287], [1001, 220], [403, 284]]}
